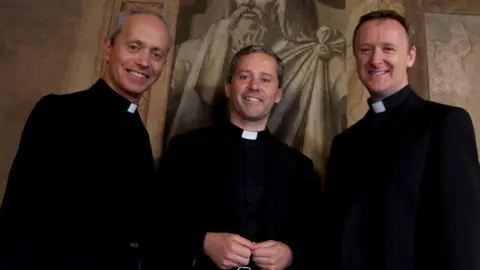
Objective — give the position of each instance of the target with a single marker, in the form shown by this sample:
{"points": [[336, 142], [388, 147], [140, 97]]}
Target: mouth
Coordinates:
{"points": [[139, 75], [252, 99], [377, 72]]}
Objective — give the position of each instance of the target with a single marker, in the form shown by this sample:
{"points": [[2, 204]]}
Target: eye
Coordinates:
{"points": [[133, 47], [266, 80], [389, 49], [157, 56], [243, 77], [364, 50]]}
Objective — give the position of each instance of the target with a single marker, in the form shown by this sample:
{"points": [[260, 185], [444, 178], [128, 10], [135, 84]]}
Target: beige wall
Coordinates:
{"points": [[36, 40]]}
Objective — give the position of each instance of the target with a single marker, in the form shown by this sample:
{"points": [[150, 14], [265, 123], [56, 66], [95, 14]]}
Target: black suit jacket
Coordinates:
{"points": [[196, 173], [76, 193], [404, 192]]}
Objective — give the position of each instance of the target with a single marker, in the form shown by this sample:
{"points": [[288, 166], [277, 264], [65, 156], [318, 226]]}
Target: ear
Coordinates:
{"points": [[227, 89], [279, 95], [107, 49], [412, 54]]}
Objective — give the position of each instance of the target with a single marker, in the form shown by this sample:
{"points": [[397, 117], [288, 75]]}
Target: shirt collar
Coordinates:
{"points": [[389, 102], [240, 133], [112, 99]]}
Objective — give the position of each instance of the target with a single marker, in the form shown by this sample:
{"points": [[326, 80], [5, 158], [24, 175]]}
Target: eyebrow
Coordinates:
{"points": [[384, 43], [249, 71], [139, 42], [389, 44], [267, 74]]}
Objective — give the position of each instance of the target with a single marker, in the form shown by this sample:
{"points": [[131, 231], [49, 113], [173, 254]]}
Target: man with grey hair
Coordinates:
{"points": [[245, 199], [78, 192]]}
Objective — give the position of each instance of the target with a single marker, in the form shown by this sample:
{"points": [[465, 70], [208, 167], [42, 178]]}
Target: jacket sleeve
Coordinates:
{"points": [[23, 205], [454, 172]]}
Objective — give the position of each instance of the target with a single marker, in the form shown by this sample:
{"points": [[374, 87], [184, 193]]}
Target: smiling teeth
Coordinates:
{"points": [[252, 99], [136, 74], [377, 72]]}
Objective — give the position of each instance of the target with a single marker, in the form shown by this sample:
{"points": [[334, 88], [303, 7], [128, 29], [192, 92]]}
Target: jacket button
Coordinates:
{"points": [[134, 244]]}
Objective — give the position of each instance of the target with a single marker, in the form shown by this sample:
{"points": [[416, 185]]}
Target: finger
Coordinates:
{"points": [[265, 244], [265, 252], [229, 264], [242, 251], [238, 260], [244, 242], [263, 261]]}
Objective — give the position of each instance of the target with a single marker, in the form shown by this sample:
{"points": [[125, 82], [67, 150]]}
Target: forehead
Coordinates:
{"points": [[381, 30], [257, 62], [146, 28]]}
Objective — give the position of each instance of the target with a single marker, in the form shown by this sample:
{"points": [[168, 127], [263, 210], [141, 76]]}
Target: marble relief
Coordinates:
{"points": [[453, 47]]}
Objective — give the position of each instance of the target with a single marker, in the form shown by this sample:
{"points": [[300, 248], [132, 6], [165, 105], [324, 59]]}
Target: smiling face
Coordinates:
{"points": [[253, 90], [137, 56], [383, 55]]}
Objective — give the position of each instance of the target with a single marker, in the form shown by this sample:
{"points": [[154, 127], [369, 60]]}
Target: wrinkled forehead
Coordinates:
{"points": [[259, 3], [146, 28]]}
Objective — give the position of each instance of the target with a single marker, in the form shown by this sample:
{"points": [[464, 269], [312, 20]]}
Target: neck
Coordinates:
{"points": [[249, 125], [378, 96], [132, 98]]}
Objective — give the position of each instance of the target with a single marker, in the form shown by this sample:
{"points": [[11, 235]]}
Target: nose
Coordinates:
{"points": [[377, 56], [143, 58], [254, 84]]}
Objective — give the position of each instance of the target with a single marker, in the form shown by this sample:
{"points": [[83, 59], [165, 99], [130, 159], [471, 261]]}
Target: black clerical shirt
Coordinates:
{"points": [[248, 170], [381, 126], [217, 181]]}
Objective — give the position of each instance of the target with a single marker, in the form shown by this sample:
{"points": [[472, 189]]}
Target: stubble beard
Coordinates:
{"points": [[254, 118]]}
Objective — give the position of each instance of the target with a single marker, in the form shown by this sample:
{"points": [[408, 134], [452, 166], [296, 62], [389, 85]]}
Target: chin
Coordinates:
{"points": [[254, 117], [134, 88], [376, 87], [377, 93]]}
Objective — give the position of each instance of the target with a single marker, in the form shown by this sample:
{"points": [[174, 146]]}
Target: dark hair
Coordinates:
{"points": [[255, 49], [384, 14]]}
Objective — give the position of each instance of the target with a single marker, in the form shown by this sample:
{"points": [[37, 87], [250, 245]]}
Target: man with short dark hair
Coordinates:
{"points": [[78, 192], [235, 196], [403, 184]]}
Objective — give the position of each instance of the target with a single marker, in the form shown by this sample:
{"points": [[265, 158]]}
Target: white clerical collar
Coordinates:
{"points": [[378, 107], [249, 135], [132, 108]]}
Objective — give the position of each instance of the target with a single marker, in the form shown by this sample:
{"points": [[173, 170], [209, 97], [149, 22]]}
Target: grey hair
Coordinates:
{"points": [[255, 49], [120, 18]]}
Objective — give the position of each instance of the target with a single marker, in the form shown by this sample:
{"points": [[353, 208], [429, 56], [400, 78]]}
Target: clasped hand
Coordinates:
{"points": [[230, 251]]}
